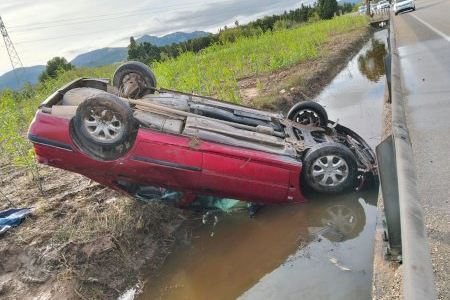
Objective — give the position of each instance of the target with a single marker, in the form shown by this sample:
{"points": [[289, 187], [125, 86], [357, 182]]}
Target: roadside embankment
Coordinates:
{"points": [[305, 80], [82, 241]]}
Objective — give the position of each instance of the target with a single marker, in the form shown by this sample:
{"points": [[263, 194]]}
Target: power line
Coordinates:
{"points": [[77, 23], [86, 33], [72, 35], [97, 18]]}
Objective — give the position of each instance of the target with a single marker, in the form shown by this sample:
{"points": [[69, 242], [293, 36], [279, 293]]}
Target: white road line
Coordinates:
{"points": [[437, 31]]}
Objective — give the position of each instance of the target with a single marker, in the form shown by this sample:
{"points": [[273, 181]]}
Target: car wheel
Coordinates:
{"points": [[330, 168], [309, 113], [104, 120], [134, 79]]}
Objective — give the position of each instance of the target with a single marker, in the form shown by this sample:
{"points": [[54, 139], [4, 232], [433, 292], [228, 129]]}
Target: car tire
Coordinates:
{"points": [[330, 168], [309, 113], [138, 68], [104, 120]]}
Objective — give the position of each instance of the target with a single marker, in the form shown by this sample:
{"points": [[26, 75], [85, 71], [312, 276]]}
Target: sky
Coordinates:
{"points": [[43, 29]]}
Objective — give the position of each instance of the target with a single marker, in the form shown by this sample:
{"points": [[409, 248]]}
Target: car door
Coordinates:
{"points": [[165, 160], [243, 175]]}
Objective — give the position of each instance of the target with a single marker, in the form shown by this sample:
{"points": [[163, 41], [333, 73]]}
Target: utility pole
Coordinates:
{"points": [[368, 10], [16, 63]]}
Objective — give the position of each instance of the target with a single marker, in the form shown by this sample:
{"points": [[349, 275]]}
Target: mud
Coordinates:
{"points": [[82, 240]]}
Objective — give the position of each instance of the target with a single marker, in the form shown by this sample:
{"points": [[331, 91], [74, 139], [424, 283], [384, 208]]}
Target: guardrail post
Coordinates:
{"points": [[387, 68], [389, 187]]}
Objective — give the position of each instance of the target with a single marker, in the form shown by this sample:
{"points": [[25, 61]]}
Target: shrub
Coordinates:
{"points": [[54, 66], [326, 8]]}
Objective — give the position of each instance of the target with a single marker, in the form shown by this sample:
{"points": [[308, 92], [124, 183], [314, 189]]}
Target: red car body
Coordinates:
{"points": [[175, 162]]}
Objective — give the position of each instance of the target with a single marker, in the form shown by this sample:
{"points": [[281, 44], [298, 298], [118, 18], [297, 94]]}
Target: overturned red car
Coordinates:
{"points": [[131, 137]]}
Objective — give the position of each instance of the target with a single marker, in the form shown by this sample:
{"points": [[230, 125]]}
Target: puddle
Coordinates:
{"points": [[319, 250], [355, 96]]}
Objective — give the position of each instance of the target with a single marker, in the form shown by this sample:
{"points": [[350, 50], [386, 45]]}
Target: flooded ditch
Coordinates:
{"points": [[318, 250]]}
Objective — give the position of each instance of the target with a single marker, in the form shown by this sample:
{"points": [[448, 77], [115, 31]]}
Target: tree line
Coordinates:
{"points": [[323, 9]]}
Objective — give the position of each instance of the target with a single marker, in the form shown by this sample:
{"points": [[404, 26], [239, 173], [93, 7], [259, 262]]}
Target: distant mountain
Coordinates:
{"points": [[30, 74], [107, 56], [100, 57], [176, 37]]}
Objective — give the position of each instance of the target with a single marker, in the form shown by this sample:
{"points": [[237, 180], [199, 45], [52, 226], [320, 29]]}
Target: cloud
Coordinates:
{"points": [[211, 16], [47, 28], [224, 12]]}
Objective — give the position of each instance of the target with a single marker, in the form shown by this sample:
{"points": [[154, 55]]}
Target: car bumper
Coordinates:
{"points": [[404, 7]]}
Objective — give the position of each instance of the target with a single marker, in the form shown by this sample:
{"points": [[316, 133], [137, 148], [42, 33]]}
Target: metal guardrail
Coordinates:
{"points": [[418, 281]]}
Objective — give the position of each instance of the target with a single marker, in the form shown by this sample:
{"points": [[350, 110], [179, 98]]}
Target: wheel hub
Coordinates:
{"points": [[307, 117], [103, 125], [330, 170]]}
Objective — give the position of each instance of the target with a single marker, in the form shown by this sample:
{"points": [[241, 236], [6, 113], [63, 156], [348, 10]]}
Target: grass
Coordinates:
{"points": [[215, 71]]}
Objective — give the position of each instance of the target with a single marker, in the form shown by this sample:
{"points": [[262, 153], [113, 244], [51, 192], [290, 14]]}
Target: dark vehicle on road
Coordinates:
{"points": [[131, 136]]}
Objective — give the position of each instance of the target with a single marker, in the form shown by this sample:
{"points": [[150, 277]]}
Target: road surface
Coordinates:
{"points": [[423, 41]]}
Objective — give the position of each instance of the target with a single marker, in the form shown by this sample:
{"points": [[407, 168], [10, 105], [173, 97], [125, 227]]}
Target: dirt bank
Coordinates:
{"points": [[305, 80], [82, 241]]}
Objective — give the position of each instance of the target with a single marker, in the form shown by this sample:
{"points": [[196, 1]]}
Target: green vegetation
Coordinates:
{"points": [[327, 8], [54, 66], [213, 71], [324, 9], [148, 53], [216, 70]]}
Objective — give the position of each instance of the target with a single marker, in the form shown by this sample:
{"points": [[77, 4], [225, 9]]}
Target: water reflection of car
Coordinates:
{"points": [[404, 5], [341, 220], [132, 136]]}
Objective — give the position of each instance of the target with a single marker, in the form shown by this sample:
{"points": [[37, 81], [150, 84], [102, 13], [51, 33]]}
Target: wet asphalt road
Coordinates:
{"points": [[423, 41]]}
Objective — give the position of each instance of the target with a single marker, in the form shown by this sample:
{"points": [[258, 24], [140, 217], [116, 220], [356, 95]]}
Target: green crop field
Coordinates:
{"points": [[213, 71], [216, 70]]}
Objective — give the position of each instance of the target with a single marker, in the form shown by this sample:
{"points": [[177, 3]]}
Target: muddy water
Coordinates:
{"points": [[318, 250]]}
